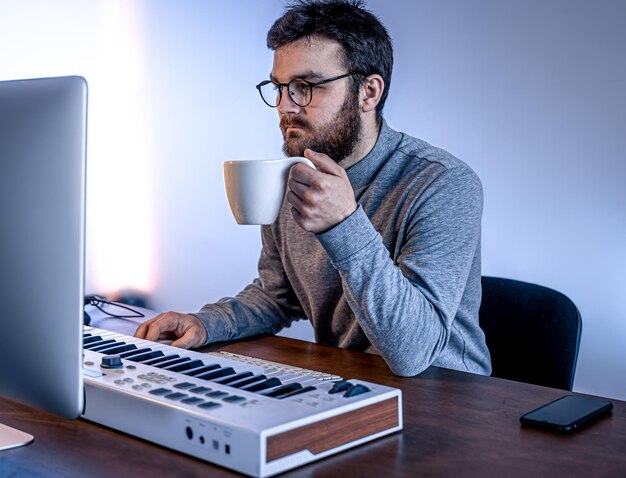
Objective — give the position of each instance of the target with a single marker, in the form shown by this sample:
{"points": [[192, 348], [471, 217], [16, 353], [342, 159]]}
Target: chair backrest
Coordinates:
{"points": [[532, 332]]}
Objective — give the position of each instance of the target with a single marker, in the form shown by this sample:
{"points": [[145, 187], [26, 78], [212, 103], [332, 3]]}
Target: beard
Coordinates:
{"points": [[337, 138]]}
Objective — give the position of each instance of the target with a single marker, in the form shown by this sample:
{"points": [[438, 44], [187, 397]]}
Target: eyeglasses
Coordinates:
{"points": [[300, 91]]}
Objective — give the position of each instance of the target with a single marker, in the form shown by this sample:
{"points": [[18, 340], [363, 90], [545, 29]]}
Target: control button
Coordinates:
{"points": [[131, 367], [357, 389], [111, 361], [191, 400], [209, 405], [176, 396], [89, 363], [340, 386], [184, 385], [200, 389], [160, 391], [234, 399], [216, 394]]}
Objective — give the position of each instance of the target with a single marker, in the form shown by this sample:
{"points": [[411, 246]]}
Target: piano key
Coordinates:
{"points": [[248, 381], [103, 346], [297, 392], [170, 363], [209, 405], [134, 352], [233, 378], [90, 339], [198, 371], [93, 345], [276, 393], [164, 358], [146, 356], [120, 348], [187, 365], [221, 372], [257, 387]]}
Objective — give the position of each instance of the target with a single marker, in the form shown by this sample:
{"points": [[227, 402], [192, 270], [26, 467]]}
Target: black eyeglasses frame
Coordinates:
{"points": [[310, 84]]}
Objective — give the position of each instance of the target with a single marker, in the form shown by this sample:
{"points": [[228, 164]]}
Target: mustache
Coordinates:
{"points": [[293, 121]]}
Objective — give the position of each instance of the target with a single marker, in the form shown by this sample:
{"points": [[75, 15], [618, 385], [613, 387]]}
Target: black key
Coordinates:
{"points": [[198, 371], [209, 405], [200, 389], [164, 358], [176, 396], [222, 372], [166, 365], [340, 386], [191, 400], [248, 381], [121, 348], [257, 387], [160, 391], [86, 335], [234, 399], [98, 345], [91, 338], [146, 356], [104, 347], [185, 366], [233, 378], [134, 352], [298, 392], [292, 387], [358, 389]]}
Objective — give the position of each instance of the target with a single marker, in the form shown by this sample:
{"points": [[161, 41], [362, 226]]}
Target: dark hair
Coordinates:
{"points": [[366, 44]]}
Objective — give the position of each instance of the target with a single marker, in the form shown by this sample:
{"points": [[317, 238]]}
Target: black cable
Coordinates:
{"points": [[97, 301]]}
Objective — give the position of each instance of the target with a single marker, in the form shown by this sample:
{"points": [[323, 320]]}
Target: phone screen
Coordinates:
{"points": [[567, 413]]}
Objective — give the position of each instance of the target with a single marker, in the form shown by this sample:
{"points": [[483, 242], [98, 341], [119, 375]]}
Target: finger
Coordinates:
{"points": [[295, 201], [167, 323], [302, 173], [323, 162], [298, 188], [190, 339], [142, 330]]}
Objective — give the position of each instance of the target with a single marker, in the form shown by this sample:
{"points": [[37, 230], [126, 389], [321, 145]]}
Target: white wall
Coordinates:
{"points": [[530, 94]]}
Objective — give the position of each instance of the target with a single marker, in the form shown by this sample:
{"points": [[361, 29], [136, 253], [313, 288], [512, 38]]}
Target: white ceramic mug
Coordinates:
{"points": [[256, 187]]}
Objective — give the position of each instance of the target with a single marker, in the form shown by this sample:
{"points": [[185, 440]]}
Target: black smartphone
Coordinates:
{"points": [[567, 414]]}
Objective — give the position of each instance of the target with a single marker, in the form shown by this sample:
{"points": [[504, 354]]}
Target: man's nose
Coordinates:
{"points": [[287, 105]]}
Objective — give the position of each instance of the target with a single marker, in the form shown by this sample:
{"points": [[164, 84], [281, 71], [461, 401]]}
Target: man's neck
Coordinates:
{"points": [[371, 129]]}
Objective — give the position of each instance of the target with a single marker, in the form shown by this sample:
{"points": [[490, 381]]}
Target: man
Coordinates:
{"points": [[379, 247]]}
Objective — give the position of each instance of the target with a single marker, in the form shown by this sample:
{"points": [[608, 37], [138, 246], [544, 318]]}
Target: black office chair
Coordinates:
{"points": [[532, 332]]}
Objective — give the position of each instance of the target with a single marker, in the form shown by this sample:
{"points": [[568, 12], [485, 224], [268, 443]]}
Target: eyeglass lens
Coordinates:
{"points": [[299, 91]]}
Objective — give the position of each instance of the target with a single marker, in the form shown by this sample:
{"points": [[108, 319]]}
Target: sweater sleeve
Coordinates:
{"points": [[407, 306], [263, 307]]}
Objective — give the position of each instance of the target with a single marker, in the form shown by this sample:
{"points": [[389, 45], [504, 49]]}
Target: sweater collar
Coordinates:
{"points": [[362, 173]]}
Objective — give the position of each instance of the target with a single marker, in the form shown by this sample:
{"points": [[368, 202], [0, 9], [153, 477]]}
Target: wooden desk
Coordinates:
{"points": [[455, 424]]}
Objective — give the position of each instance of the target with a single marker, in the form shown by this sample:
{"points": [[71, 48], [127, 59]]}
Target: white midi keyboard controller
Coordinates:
{"points": [[250, 415]]}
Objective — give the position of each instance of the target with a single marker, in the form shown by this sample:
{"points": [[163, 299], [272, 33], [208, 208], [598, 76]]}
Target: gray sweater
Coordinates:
{"points": [[400, 277]]}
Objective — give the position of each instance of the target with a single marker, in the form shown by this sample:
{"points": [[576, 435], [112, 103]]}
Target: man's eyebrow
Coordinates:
{"points": [[305, 75]]}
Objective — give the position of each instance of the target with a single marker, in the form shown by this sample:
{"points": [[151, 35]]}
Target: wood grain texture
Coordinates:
{"points": [[455, 424], [335, 431]]}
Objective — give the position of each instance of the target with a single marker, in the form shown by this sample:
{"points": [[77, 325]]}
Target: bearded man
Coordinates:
{"points": [[379, 246]]}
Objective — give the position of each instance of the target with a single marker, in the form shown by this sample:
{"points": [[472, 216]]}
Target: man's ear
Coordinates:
{"points": [[372, 89]]}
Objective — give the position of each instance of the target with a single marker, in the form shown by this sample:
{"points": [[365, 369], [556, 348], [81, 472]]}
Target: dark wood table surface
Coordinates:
{"points": [[455, 424]]}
